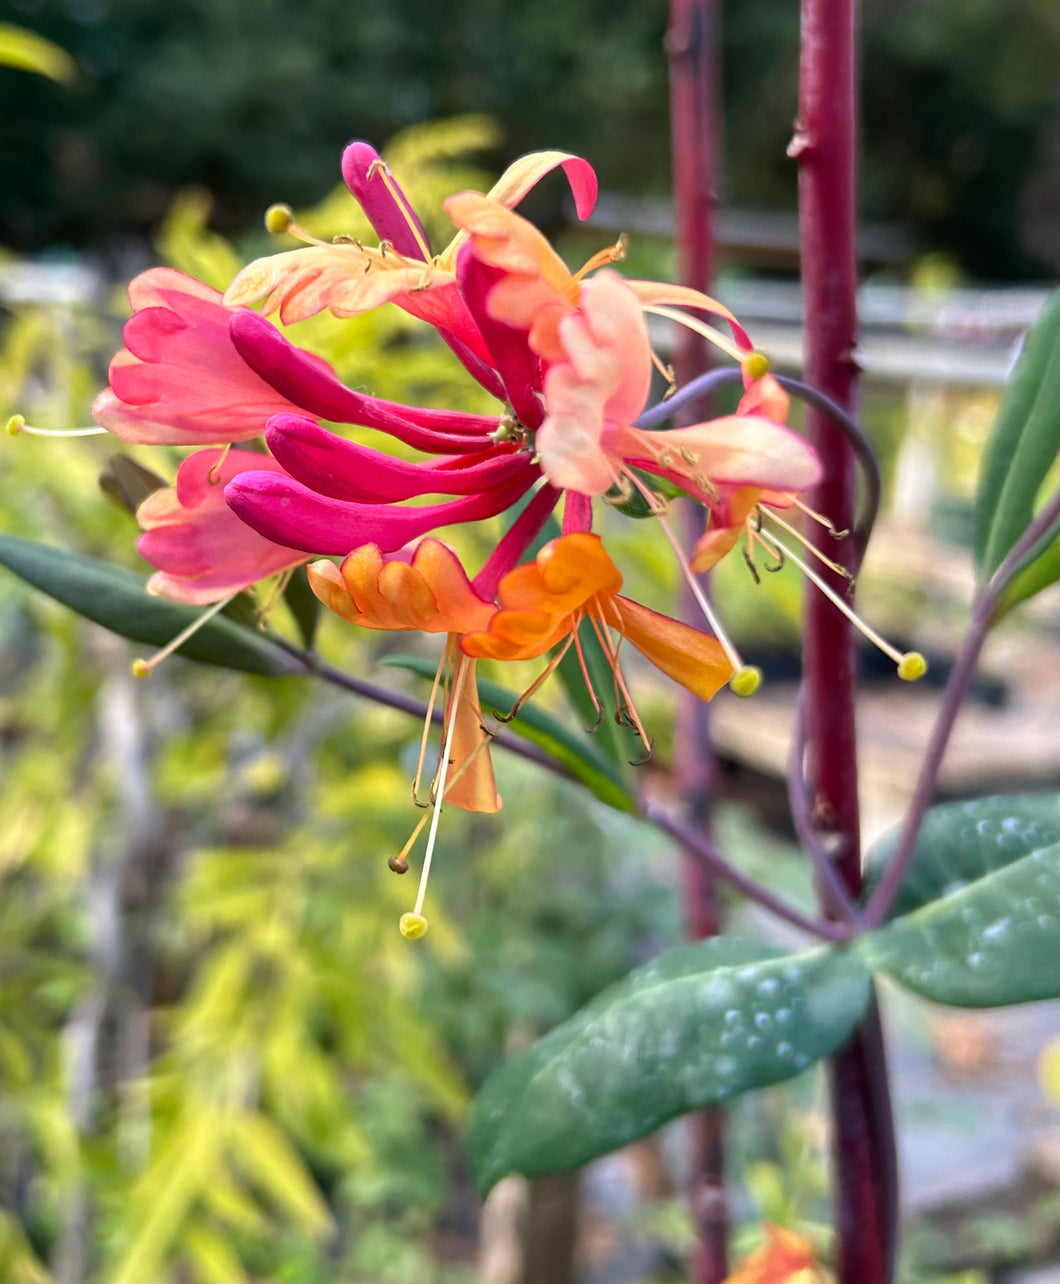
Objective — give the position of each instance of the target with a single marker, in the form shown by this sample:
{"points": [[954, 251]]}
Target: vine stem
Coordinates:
{"points": [[695, 127], [865, 1163], [984, 613]]}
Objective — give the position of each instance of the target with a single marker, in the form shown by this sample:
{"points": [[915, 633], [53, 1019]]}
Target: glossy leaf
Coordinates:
{"points": [[1023, 444], [992, 942], [699, 1024], [115, 598], [573, 750], [961, 842]]}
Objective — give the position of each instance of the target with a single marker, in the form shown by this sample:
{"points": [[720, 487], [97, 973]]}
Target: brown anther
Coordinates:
{"points": [[648, 755], [398, 865], [751, 566]]}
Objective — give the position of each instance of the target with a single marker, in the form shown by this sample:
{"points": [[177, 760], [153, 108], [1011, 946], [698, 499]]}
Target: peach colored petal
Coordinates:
{"points": [[694, 659], [476, 788], [528, 171], [151, 288], [765, 397], [660, 292]]}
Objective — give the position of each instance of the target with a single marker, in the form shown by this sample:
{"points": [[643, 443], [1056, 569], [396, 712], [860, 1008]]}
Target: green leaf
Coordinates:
{"points": [[116, 598], [1023, 444], [581, 758], [128, 483], [699, 1024], [303, 604], [964, 841], [1041, 569], [29, 52], [993, 942]]}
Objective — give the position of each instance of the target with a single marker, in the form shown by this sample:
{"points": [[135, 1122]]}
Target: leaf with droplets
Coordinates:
{"points": [[963, 841], [698, 1025], [976, 922]]}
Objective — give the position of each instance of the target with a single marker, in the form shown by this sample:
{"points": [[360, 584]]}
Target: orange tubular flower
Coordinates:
{"points": [[428, 592], [784, 1258], [543, 602]]}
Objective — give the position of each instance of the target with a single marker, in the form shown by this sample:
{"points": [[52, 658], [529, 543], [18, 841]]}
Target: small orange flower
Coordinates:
{"points": [[543, 603], [784, 1258], [426, 590]]}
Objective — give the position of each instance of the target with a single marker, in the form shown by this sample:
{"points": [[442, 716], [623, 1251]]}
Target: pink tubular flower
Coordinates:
{"points": [[202, 550], [179, 381], [593, 396]]}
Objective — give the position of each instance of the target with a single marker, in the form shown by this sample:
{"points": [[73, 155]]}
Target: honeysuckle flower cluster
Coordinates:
{"points": [[568, 357]]}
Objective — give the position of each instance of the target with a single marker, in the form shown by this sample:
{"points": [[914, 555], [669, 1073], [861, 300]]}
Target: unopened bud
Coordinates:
{"points": [[278, 218]]}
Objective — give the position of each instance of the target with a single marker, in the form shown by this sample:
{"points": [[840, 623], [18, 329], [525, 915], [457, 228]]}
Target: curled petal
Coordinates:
{"points": [[284, 511], [725, 526], [766, 397], [202, 550], [660, 292], [525, 173]]}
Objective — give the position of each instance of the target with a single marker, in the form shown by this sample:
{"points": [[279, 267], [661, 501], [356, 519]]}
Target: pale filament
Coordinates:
{"points": [[443, 771], [17, 425], [141, 668], [770, 539], [700, 327], [444, 666], [797, 534], [623, 700]]}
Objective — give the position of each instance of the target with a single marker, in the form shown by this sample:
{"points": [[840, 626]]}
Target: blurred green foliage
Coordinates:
{"points": [[254, 101]]}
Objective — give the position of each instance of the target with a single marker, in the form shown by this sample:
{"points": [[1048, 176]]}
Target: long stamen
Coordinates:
{"points": [[819, 518], [378, 167], [746, 678], [811, 548], [539, 681], [707, 331], [413, 925], [623, 699], [17, 425], [400, 863], [911, 664], [444, 664], [598, 708], [141, 668], [213, 477]]}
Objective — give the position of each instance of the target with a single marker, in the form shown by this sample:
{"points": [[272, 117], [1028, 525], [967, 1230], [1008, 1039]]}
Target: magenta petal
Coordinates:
{"points": [[331, 465], [315, 387], [286, 512], [393, 218], [517, 364]]}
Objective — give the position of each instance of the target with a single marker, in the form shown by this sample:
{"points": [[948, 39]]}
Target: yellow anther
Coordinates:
{"points": [[15, 425], [746, 680], [755, 365], [911, 666], [140, 668], [278, 218], [412, 926]]}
